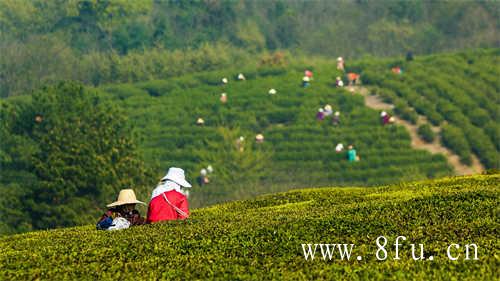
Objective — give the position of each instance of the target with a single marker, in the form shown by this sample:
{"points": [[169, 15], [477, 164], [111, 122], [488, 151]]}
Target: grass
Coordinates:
{"points": [[261, 239]]}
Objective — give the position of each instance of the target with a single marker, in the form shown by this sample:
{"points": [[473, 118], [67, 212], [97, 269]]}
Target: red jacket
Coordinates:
{"points": [[160, 210]]}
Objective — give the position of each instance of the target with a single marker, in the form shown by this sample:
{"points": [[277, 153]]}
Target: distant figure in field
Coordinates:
{"points": [[241, 77], [305, 81], [200, 122], [338, 82], [353, 78], [259, 138], [223, 98], [224, 80], [328, 110], [121, 214], [409, 56], [336, 118], [351, 154], [384, 118], [340, 63], [309, 74], [397, 70], [210, 169], [272, 92], [339, 148], [203, 178], [240, 145], [320, 116], [169, 198]]}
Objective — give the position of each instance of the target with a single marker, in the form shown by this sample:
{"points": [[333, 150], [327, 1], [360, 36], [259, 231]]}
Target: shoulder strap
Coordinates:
{"points": [[181, 212]]}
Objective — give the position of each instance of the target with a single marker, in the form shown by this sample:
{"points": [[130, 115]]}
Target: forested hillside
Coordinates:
{"points": [[260, 239], [99, 41]]}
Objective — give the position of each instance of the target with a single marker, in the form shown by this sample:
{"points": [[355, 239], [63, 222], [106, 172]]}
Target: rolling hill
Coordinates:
{"points": [[262, 239]]}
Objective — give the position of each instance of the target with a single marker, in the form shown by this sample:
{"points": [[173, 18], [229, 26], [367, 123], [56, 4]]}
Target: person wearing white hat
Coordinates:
{"points": [[200, 122], [241, 77], [121, 213], [224, 80], [340, 63], [305, 81], [272, 92], [384, 117], [336, 118], [210, 169], [223, 97], [239, 144], [169, 198], [203, 178], [338, 82], [259, 138], [320, 115], [328, 110], [339, 147]]}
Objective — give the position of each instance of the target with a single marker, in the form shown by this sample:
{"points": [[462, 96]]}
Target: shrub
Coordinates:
{"points": [[426, 133], [453, 138]]}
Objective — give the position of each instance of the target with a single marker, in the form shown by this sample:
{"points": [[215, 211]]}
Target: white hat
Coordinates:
{"points": [[200, 121], [305, 79], [203, 172], [259, 137], [337, 113], [328, 107], [223, 94], [320, 110], [210, 169], [272, 91], [241, 76], [338, 78], [126, 196], [241, 138], [383, 113], [340, 59], [176, 175], [224, 80]]}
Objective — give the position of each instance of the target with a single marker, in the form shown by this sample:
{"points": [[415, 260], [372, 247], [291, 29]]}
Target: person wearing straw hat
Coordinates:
{"points": [[340, 63], [121, 213], [336, 118], [169, 198]]}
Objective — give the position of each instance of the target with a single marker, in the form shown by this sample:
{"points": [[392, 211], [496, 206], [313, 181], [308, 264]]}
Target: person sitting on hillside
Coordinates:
{"points": [[241, 77], [169, 200], [339, 148], [203, 178], [320, 116], [336, 118], [223, 98], [121, 214], [340, 63], [351, 154], [338, 82], [305, 81]]}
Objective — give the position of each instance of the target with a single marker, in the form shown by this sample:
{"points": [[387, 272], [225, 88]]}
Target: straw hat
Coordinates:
{"points": [[176, 175], [126, 196], [259, 137]]}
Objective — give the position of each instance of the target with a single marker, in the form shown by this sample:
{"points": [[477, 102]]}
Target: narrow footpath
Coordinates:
{"points": [[376, 103]]}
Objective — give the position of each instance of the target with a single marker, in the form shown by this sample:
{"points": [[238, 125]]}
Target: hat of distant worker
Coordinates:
{"points": [[126, 196], [176, 175]]}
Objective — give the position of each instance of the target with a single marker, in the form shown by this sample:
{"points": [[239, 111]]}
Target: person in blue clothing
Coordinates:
{"points": [[351, 154]]}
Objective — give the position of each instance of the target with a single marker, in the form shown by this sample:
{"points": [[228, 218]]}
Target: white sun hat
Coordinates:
{"points": [[328, 107], [337, 113], [203, 172], [210, 169], [241, 76], [321, 110], [176, 175], [305, 79], [383, 113], [272, 92], [340, 59], [224, 80], [126, 196]]}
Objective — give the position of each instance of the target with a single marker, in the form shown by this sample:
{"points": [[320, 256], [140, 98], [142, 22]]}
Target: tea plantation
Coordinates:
{"points": [[261, 239], [298, 150], [458, 92]]}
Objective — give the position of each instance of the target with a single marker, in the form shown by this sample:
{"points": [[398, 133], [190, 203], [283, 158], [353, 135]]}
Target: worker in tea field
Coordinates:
{"points": [[203, 179], [200, 122], [340, 63], [384, 118], [241, 77], [338, 82], [339, 148], [309, 74], [305, 81], [353, 78], [336, 118], [240, 144], [320, 116], [169, 200], [223, 98], [328, 110], [259, 138], [351, 154], [121, 213]]}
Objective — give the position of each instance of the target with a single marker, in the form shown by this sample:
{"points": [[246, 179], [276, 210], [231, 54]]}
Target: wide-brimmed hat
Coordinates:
{"points": [[337, 113], [176, 175], [126, 196], [340, 59]]}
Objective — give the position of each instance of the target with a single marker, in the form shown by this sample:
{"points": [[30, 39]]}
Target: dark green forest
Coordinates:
{"points": [[100, 41]]}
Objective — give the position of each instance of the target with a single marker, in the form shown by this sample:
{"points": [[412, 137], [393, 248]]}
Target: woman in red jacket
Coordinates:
{"points": [[169, 198]]}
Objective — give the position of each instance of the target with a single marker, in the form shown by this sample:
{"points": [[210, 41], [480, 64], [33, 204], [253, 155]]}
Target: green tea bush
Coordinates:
{"points": [[453, 138], [426, 133]]}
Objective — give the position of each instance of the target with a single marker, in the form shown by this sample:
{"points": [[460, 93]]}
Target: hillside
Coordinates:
{"points": [[261, 239], [297, 151]]}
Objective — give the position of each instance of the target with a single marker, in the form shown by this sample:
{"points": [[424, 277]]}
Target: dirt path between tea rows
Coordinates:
{"points": [[376, 103]]}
